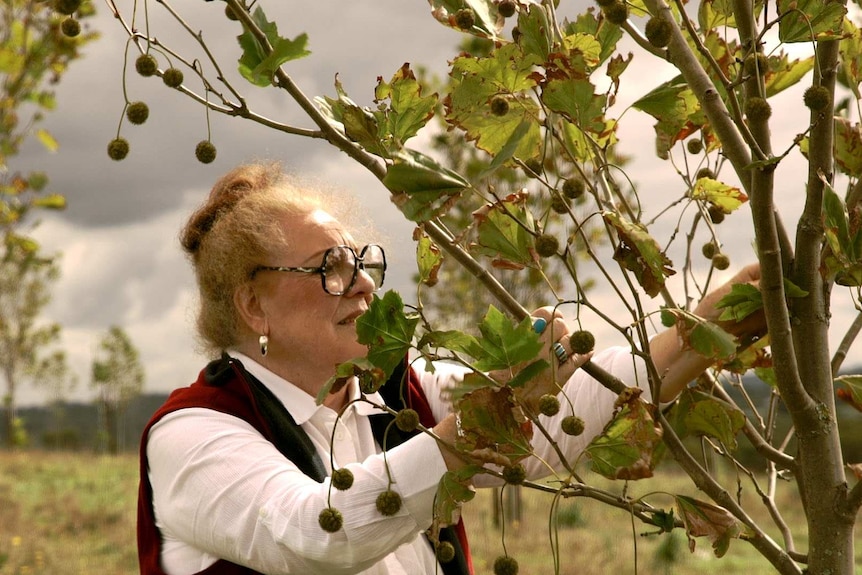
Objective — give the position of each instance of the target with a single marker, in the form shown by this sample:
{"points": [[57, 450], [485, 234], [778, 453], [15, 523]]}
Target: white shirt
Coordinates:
{"points": [[220, 490]]}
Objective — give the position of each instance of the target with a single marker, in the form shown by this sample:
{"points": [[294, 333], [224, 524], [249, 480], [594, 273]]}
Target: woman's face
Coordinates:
{"points": [[310, 331]]}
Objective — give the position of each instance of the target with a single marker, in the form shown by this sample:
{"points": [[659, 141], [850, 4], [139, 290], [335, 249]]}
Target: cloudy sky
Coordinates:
{"points": [[121, 263]]}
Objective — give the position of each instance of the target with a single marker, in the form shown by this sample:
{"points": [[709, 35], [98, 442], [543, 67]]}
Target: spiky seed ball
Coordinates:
{"points": [[231, 15], [574, 188], [709, 250], [534, 167], [572, 425], [582, 341], [507, 8], [67, 7], [705, 173], [138, 112], [547, 245], [505, 565], [118, 149], [516, 33], [721, 261], [499, 106], [755, 64], [407, 420], [604, 3], [616, 13], [146, 65], [342, 479], [445, 552], [816, 98], [465, 18], [560, 204], [205, 152], [330, 519], [694, 146], [757, 109], [173, 77], [549, 405], [716, 214], [658, 31], [514, 474], [388, 503], [70, 27]]}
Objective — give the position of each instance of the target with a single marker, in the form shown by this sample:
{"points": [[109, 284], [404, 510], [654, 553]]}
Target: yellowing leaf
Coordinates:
{"points": [[626, 449], [408, 110], [850, 50], [728, 198], [47, 140], [491, 423], [848, 147]]}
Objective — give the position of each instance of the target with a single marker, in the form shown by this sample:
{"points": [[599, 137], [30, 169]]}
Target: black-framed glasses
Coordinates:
{"points": [[340, 266]]}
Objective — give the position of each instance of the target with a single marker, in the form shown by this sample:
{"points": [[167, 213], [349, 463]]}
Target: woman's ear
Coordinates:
{"points": [[249, 308]]}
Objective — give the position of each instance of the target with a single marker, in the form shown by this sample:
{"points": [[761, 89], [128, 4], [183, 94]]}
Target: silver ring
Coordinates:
{"points": [[560, 352]]}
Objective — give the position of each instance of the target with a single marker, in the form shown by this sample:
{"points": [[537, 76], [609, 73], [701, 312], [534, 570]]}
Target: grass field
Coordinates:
{"points": [[71, 514]]}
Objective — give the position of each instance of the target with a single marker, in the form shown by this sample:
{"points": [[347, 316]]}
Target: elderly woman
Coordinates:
{"points": [[237, 468]]}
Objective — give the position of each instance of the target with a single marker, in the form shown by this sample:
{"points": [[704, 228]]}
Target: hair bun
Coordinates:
{"points": [[225, 194]]}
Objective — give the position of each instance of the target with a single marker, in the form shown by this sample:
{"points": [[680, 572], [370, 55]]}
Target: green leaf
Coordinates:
{"points": [[836, 225], [707, 415], [504, 345], [47, 140], [423, 188], [712, 342], [386, 330], [810, 20], [534, 27], [742, 301], [408, 110], [639, 253], [527, 374], [702, 519], [488, 423], [358, 124], [728, 198], [607, 34], [453, 490], [343, 372], [256, 65], [576, 99], [502, 233], [507, 73], [626, 448], [673, 105]]}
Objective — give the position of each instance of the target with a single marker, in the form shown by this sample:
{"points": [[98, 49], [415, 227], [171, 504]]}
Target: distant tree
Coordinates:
{"points": [[119, 377], [25, 277], [53, 375]]}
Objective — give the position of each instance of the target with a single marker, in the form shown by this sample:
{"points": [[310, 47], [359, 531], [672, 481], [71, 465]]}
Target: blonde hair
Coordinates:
{"points": [[238, 227]]}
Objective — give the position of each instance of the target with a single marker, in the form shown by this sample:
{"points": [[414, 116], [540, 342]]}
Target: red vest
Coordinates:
{"points": [[225, 386]]}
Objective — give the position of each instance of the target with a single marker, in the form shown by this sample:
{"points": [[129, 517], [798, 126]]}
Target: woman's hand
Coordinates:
{"points": [[676, 363], [554, 332]]}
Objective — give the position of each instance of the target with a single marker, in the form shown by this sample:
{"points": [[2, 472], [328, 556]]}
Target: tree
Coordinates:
{"points": [[35, 51], [546, 94], [25, 278], [118, 377]]}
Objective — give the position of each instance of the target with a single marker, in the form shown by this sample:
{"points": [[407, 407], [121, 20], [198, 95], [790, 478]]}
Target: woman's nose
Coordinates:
{"points": [[364, 283]]}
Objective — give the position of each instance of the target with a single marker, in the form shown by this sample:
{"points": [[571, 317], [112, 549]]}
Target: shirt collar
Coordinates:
{"points": [[298, 403]]}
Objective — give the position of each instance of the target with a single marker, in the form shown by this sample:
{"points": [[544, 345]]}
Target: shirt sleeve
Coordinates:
{"points": [[590, 401], [221, 487]]}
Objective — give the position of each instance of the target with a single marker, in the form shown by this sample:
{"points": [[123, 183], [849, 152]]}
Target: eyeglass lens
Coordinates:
{"points": [[340, 267]]}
